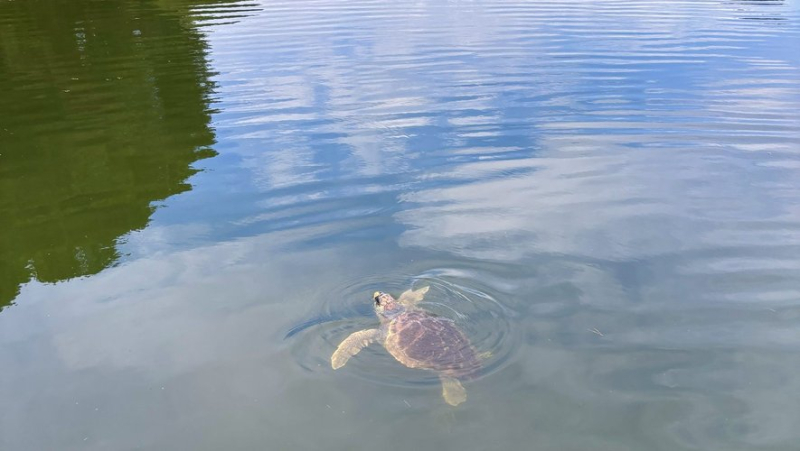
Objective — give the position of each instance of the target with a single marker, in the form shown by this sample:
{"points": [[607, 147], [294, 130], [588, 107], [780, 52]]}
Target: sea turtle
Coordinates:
{"points": [[417, 339]]}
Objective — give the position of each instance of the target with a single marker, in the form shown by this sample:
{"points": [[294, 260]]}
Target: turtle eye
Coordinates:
{"points": [[377, 301]]}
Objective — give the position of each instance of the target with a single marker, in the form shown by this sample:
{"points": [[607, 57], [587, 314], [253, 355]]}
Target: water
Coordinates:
{"points": [[197, 199]]}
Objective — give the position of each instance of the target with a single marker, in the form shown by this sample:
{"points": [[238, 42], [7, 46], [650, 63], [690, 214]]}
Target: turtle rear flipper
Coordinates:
{"points": [[452, 390], [352, 345]]}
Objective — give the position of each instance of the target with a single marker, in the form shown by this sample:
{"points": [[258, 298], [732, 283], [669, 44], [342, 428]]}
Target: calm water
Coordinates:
{"points": [[197, 199]]}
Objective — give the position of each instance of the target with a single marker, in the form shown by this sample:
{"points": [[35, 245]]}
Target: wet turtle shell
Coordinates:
{"points": [[418, 339]]}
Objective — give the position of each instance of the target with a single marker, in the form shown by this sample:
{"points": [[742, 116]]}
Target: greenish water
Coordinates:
{"points": [[104, 110], [198, 198]]}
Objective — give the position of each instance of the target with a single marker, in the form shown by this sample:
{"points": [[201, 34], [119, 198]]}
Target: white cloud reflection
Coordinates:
{"points": [[607, 203]]}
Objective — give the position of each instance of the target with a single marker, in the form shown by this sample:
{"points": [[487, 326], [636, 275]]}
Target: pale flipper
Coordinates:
{"points": [[352, 345], [452, 391], [412, 297]]}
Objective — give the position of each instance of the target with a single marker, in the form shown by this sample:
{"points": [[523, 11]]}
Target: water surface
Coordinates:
{"points": [[197, 199]]}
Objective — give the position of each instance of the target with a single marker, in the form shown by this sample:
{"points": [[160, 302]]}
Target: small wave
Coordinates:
{"points": [[482, 318]]}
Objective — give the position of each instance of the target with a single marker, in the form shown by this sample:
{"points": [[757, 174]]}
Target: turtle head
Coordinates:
{"points": [[386, 306]]}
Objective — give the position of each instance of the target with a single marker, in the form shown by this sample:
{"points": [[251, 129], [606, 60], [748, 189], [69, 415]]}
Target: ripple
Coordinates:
{"points": [[483, 319], [601, 194]]}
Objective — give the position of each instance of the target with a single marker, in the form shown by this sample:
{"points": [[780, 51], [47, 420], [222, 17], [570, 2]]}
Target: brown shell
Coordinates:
{"points": [[420, 340]]}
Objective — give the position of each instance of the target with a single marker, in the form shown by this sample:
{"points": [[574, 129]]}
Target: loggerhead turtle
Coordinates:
{"points": [[417, 339]]}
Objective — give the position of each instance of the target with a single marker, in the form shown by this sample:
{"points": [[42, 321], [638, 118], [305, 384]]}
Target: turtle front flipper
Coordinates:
{"points": [[412, 297], [352, 345], [452, 390]]}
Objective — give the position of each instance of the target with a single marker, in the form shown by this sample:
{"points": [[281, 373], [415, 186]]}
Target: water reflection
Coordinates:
{"points": [[105, 107], [759, 10], [604, 194]]}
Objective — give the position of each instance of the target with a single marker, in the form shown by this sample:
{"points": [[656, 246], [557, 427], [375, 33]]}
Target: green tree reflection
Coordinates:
{"points": [[104, 106]]}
